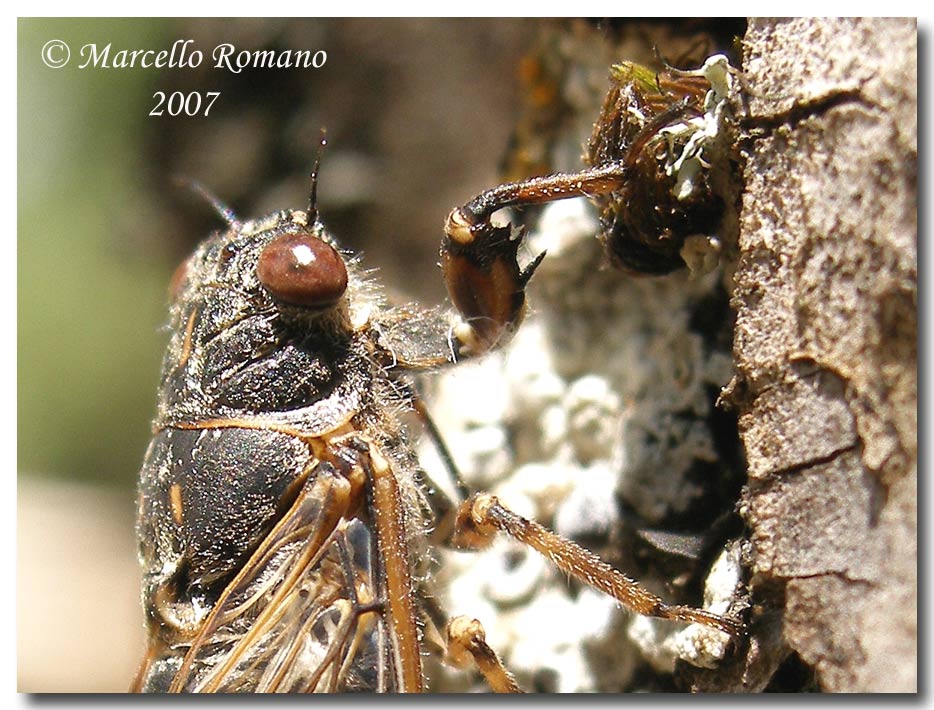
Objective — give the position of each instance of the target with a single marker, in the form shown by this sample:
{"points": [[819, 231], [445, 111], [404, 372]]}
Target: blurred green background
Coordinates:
{"points": [[90, 301]]}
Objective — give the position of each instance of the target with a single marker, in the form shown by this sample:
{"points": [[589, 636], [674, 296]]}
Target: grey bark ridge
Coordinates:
{"points": [[826, 343]]}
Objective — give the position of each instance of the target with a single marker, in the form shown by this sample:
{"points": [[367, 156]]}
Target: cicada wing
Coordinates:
{"points": [[302, 614]]}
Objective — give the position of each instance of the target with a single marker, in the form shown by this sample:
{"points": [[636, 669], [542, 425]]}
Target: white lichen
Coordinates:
{"points": [[602, 394], [698, 645], [700, 134]]}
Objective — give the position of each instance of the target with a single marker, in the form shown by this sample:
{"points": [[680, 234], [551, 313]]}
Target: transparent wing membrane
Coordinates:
{"points": [[303, 614]]}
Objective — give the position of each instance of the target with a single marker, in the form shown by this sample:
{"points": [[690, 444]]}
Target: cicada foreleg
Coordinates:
{"points": [[482, 516], [388, 509], [480, 260]]}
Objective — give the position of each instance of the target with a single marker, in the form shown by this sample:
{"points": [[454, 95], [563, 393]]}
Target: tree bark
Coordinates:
{"points": [[826, 342]]}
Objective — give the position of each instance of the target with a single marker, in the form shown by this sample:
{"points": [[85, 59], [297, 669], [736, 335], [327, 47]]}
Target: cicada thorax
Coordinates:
{"points": [[644, 224], [236, 349], [261, 569]]}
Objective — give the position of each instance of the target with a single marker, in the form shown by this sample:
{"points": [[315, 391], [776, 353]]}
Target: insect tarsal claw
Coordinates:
{"points": [[529, 270]]}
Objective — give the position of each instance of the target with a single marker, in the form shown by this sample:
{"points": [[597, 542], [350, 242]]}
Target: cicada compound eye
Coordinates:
{"points": [[299, 269]]}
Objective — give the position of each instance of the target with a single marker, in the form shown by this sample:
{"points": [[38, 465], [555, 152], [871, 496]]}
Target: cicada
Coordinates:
{"points": [[283, 517], [280, 509]]}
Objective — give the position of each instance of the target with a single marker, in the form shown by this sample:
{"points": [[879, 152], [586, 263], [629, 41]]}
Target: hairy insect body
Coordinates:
{"points": [[257, 527]]}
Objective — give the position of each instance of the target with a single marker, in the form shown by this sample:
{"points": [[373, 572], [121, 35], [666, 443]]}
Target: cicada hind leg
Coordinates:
{"points": [[476, 522], [482, 516]]}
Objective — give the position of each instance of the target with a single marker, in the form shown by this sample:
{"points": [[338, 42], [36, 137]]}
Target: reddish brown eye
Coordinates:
{"points": [[302, 270]]}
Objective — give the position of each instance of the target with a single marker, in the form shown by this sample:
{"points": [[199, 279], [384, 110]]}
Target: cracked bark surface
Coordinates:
{"points": [[826, 349]]}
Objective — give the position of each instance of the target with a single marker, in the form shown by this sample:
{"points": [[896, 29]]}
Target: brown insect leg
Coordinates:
{"points": [[466, 643], [421, 410], [479, 259], [598, 180], [481, 271], [482, 516], [152, 653], [393, 543]]}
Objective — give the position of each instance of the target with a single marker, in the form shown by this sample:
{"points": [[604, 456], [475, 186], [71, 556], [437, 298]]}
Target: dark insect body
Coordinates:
{"points": [[643, 223], [277, 462]]}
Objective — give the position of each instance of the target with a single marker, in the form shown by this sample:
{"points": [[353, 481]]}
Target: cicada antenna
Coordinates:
{"points": [[222, 210], [313, 197]]}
